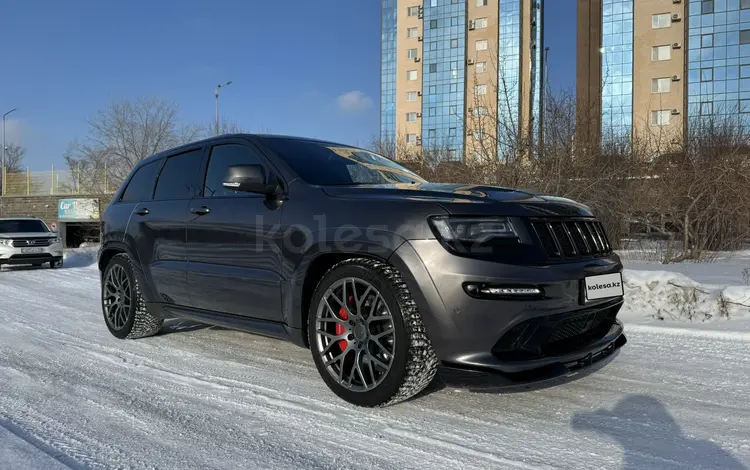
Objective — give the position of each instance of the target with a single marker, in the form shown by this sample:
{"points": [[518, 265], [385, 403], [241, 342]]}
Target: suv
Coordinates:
{"points": [[28, 240], [379, 273]]}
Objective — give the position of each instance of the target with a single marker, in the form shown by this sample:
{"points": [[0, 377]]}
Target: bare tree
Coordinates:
{"points": [[225, 127], [14, 158], [120, 136]]}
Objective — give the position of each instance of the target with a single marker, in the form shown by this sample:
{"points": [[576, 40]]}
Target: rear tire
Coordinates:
{"points": [[123, 307], [375, 351]]}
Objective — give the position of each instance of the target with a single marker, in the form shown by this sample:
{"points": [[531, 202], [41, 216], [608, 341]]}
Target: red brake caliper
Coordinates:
{"points": [[340, 330]]}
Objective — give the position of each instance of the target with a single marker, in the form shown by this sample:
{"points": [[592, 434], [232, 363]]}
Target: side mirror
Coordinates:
{"points": [[249, 179]]}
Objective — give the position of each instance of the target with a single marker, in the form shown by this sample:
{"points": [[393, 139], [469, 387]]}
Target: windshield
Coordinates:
{"points": [[331, 164], [23, 226]]}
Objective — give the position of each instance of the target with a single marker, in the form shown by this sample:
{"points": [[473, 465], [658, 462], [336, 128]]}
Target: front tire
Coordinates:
{"points": [[123, 307], [366, 335]]}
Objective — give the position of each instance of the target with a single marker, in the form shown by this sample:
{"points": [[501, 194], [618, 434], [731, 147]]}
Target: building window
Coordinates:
{"points": [[707, 40], [661, 85], [412, 11], [433, 46], [481, 90], [411, 96], [433, 3], [452, 110], [411, 138], [661, 53], [661, 117], [411, 53], [411, 117], [433, 24], [478, 134], [745, 36], [454, 43], [662, 20], [481, 45], [707, 6], [480, 23], [481, 67], [745, 106], [452, 154], [745, 4], [411, 75], [452, 132], [433, 89], [707, 109], [432, 68], [707, 74], [481, 3], [480, 111], [453, 88], [412, 32], [431, 133]]}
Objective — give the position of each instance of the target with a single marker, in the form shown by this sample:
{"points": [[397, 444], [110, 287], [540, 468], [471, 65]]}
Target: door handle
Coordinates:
{"points": [[203, 210], [143, 211]]}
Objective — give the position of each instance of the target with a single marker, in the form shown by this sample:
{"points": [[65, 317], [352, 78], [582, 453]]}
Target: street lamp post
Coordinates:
{"points": [[217, 103], [2, 167]]}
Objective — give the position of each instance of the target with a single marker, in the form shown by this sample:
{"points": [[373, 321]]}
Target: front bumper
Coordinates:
{"points": [[17, 256], [509, 336]]}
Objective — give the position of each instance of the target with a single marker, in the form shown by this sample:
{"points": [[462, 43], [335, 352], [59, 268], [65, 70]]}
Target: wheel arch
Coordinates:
{"points": [[314, 270]]}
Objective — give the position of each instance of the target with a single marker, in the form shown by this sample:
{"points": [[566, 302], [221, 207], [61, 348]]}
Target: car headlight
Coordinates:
{"points": [[6, 241], [477, 230]]}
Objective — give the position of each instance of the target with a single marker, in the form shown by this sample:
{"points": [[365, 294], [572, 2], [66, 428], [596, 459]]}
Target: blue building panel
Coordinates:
{"points": [[444, 75], [617, 68]]}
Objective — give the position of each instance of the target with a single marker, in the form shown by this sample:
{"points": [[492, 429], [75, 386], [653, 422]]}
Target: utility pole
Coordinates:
{"points": [[3, 174], [217, 103]]}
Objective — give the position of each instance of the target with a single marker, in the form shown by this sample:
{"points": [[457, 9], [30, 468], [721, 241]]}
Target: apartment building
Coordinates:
{"points": [[652, 68], [458, 75]]}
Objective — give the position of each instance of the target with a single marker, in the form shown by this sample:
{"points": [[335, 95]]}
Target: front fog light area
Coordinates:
{"points": [[494, 291]]}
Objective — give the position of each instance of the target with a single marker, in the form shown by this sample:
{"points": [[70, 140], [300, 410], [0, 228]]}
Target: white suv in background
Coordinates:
{"points": [[28, 240]]}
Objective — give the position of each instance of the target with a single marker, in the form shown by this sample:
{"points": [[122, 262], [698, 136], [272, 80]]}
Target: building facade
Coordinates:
{"points": [[653, 69], [463, 76]]}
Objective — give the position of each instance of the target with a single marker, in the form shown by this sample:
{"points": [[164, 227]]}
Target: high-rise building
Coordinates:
{"points": [[457, 74], [653, 68]]}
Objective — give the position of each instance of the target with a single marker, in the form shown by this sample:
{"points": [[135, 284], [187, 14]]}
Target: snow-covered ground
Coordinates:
{"points": [[71, 395]]}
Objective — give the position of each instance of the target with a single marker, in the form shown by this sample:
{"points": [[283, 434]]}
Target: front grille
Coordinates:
{"points": [[571, 239], [554, 335], [27, 242]]}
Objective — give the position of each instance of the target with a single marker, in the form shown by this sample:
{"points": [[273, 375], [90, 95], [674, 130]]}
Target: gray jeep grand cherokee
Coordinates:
{"points": [[379, 273]]}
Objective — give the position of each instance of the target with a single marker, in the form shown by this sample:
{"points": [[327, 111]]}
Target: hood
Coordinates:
{"points": [[29, 235], [463, 198], [437, 192]]}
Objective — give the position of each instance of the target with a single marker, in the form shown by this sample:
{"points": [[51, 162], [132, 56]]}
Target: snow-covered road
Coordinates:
{"points": [[196, 397]]}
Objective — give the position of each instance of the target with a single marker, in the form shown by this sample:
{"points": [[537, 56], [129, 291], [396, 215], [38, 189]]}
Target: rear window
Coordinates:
{"points": [[141, 185], [23, 226], [332, 164]]}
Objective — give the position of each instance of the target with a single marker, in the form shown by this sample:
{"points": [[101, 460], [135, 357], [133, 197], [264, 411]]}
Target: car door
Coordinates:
{"points": [[234, 241], [158, 227]]}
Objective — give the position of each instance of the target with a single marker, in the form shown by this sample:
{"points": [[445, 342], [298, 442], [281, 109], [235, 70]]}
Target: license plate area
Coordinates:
{"points": [[604, 286], [28, 251]]}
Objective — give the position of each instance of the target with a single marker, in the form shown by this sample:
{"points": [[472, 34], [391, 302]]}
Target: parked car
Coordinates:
{"points": [[381, 274], [28, 240]]}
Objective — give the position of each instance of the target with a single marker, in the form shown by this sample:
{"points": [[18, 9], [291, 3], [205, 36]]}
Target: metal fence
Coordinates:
{"points": [[56, 182]]}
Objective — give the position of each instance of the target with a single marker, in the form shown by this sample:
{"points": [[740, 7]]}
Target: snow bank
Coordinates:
{"points": [[80, 257], [665, 295]]}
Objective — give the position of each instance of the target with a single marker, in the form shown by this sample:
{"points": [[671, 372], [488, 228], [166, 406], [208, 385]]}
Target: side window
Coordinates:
{"points": [[222, 157], [179, 177], [141, 184]]}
